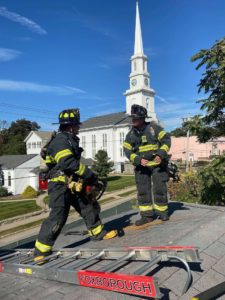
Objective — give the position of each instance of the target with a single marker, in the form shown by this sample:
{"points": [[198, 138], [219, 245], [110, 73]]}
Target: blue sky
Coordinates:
{"points": [[75, 53]]}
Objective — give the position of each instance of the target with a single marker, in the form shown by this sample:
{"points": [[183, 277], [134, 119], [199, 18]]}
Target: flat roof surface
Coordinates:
{"points": [[189, 225]]}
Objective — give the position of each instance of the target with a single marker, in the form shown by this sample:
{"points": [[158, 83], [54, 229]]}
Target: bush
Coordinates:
{"points": [[187, 190], [4, 192], [201, 163], [212, 182], [207, 186], [29, 192]]}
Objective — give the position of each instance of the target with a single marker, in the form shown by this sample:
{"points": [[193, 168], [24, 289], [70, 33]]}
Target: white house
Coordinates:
{"points": [[108, 132], [35, 140], [18, 172]]}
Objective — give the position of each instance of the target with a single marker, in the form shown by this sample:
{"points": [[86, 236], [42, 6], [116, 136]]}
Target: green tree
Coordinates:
{"points": [[22, 127], [178, 132], [102, 165], [212, 123], [12, 138]]}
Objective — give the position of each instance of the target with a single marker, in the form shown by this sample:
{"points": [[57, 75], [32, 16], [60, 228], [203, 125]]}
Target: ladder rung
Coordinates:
{"points": [[86, 261], [112, 266], [62, 261], [144, 268], [3, 253], [11, 255]]}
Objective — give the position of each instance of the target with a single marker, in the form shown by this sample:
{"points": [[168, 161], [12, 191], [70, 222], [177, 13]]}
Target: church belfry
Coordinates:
{"points": [[140, 91]]}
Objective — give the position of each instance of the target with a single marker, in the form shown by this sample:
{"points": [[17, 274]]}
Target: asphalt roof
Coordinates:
{"points": [[192, 225], [44, 135], [13, 161], [115, 119], [119, 118]]}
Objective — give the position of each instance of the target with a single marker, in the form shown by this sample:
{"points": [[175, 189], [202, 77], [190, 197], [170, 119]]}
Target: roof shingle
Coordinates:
{"points": [[120, 118], [13, 161]]}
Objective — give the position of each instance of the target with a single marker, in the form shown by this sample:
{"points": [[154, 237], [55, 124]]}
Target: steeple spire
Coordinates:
{"points": [[140, 91], [138, 47]]}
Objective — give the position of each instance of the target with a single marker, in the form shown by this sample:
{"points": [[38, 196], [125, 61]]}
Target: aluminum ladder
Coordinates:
{"points": [[121, 270]]}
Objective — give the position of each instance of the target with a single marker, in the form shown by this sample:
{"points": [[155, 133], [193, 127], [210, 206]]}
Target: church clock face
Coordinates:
{"points": [[146, 81], [134, 82]]}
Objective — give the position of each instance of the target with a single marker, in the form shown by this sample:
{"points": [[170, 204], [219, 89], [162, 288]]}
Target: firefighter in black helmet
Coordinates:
{"points": [[146, 146], [62, 156]]}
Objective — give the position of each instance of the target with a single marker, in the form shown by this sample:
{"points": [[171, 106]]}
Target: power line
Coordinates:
{"points": [[34, 109], [26, 115], [29, 108], [16, 178]]}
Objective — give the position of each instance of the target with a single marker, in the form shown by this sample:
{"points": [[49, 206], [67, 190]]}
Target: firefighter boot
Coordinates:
{"points": [[104, 235], [143, 220], [38, 255]]}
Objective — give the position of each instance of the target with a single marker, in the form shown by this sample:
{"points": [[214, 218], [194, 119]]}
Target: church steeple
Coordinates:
{"points": [[140, 91], [138, 45]]}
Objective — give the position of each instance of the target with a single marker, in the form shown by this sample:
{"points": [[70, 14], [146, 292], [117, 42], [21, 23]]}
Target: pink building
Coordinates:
{"points": [[196, 151]]}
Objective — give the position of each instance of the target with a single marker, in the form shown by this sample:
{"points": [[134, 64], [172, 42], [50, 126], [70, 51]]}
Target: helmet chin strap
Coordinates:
{"points": [[71, 130]]}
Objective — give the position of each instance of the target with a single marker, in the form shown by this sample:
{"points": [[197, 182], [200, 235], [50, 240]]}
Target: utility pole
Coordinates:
{"points": [[186, 119]]}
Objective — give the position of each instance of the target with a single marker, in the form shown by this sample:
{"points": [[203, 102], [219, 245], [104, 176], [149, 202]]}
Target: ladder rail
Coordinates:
{"points": [[189, 275]]}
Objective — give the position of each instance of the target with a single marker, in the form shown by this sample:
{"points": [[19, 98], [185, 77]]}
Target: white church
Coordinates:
{"points": [[108, 132]]}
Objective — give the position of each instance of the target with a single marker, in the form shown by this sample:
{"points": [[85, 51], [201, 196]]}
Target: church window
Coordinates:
{"points": [[34, 145], [135, 66], [93, 145], [38, 144], [29, 145], [104, 141], [83, 143], [2, 178], [122, 135], [9, 179]]}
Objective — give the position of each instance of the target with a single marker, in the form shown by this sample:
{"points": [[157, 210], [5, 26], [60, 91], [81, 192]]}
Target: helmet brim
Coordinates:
{"points": [[133, 116], [67, 123]]}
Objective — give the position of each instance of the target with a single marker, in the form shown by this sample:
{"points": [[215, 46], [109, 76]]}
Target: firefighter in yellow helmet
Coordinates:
{"points": [[146, 146], [62, 156]]}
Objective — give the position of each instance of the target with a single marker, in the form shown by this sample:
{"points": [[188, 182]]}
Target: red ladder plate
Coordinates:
{"points": [[123, 283]]}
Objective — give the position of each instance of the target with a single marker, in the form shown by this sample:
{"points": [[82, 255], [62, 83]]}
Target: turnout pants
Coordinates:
{"points": [[60, 201], [152, 190]]}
